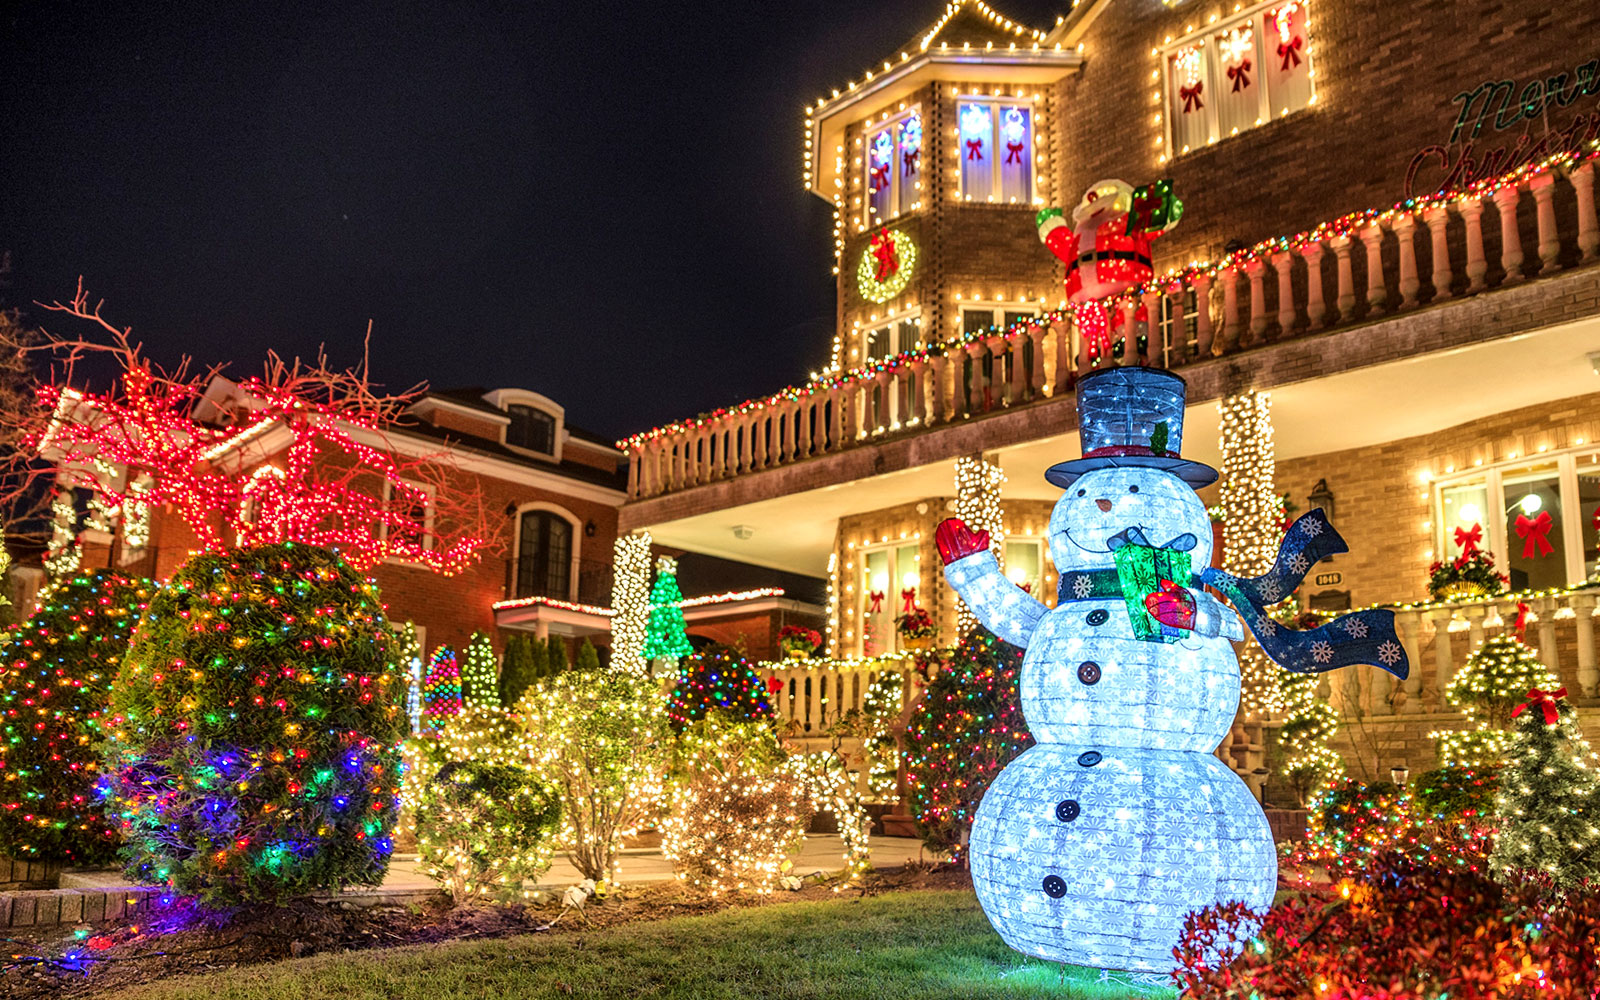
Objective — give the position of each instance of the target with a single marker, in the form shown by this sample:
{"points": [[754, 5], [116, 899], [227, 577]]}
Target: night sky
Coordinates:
{"points": [[599, 202]]}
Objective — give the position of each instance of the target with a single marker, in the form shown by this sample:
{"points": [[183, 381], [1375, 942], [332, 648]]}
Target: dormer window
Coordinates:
{"points": [[531, 428]]}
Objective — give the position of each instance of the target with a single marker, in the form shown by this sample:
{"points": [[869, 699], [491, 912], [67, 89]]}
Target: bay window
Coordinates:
{"points": [[1536, 518], [894, 167], [995, 147]]}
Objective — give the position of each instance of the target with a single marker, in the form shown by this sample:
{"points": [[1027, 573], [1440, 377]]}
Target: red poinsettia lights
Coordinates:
{"points": [[299, 454]]}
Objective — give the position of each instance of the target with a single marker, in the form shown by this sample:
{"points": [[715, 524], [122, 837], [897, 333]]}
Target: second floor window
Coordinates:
{"points": [[531, 428], [544, 555], [1240, 73], [894, 168], [415, 515], [996, 151]]}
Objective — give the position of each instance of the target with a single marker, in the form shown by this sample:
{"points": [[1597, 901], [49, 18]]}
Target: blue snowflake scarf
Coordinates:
{"points": [[1360, 637]]}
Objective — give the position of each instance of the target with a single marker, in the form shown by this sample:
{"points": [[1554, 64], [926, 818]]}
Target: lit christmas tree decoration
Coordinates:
{"points": [[441, 689], [1488, 688], [479, 683], [252, 747], [665, 634], [54, 693]]}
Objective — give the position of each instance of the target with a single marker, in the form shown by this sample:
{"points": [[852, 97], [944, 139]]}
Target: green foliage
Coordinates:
{"points": [[666, 633], [479, 685], [966, 727], [588, 656], [1456, 793], [1496, 678], [601, 738], [256, 722], [555, 656], [1549, 804], [718, 681], [518, 669], [58, 669], [484, 828]]}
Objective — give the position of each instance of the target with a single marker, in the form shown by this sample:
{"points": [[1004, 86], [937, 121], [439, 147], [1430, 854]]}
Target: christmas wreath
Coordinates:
{"points": [[885, 267]]}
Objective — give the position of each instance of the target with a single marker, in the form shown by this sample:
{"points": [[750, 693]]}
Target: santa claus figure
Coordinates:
{"points": [[1107, 246]]}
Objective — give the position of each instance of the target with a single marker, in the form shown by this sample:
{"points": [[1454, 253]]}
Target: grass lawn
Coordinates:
{"points": [[926, 944]]}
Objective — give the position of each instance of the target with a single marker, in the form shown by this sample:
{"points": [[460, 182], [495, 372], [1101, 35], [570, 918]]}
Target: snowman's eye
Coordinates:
{"points": [[1082, 492], [1134, 488]]}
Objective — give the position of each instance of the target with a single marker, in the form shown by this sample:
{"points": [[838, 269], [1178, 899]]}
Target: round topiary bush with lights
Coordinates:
{"points": [[55, 684], [253, 748]]}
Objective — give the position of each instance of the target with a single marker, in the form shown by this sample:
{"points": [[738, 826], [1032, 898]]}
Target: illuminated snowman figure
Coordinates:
{"points": [[1092, 846]]}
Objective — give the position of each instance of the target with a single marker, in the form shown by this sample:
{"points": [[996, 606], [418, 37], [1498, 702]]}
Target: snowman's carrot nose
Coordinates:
{"points": [[1103, 504]]}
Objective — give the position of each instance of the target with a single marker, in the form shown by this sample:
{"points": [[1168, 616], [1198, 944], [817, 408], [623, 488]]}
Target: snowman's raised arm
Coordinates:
{"points": [[971, 568]]}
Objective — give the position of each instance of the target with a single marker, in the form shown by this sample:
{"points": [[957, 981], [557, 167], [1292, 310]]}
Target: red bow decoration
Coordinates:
{"points": [[1191, 97], [908, 599], [1546, 701], [1238, 74], [874, 602], [1014, 152], [880, 176], [774, 685], [909, 160], [883, 252], [1533, 533], [974, 149], [1289, 52], [1468, 539], [1523, 611]]}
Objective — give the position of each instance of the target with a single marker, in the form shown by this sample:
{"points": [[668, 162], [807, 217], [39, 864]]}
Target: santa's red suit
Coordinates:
{"points": [[1102, 257]]}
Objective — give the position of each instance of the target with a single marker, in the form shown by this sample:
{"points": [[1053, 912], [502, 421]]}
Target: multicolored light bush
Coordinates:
{"points": [[718, 681], [967, 726], [56, 685], [441, 689], [253, 738]]}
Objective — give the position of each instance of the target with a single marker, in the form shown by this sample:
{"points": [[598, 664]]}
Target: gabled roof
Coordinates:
{"points": [[976, 23]]}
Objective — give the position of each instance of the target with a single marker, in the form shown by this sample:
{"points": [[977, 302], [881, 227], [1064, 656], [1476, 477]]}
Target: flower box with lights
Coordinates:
{"points": [[916, 628], [1469, 576], [799, 642]]}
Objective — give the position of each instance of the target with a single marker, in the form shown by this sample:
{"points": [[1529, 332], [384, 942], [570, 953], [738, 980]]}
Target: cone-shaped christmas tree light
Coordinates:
{"points": [[665, 633]]}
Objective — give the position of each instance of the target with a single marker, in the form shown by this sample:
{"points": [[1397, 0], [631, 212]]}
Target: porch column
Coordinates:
{"points": [[1438, 220], [1251, 530], [630, 596]]}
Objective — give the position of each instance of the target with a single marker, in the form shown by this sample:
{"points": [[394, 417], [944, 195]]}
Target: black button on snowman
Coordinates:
{"points": [[1092, 846]]}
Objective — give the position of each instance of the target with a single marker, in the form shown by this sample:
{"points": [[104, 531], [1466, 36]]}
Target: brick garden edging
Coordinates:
{"points": [[54, 907]]}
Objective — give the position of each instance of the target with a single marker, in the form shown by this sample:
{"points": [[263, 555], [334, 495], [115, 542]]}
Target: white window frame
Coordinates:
{"points": [[1496, 539], [891, 597], [503, 399], [577, 541], [1034, 542], [1215, 75], [997, 107], [869, 132], [427, 521]]}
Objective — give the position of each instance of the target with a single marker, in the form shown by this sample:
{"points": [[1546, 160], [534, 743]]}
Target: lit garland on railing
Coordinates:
{"points": [[731, 597], [1344, 226]]}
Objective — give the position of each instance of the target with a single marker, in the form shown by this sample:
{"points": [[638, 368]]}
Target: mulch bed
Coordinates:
{"points": [[184, 939]]}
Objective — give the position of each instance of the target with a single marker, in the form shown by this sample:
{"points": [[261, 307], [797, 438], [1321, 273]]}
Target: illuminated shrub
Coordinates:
{"points": [[1490, 685], [600, 737], [736, 812], [718, 681], [55, 684], [484, 828], [255, 727]]}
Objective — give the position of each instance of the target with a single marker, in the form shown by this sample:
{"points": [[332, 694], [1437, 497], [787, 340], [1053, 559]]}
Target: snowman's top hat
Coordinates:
{"points": [[1131, 417]]}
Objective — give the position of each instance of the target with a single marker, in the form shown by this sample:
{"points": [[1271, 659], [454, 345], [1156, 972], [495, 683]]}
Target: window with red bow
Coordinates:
{"points": [[1236, 74], [1539, 522], [893, 164], [891, 585], [995, 147]]}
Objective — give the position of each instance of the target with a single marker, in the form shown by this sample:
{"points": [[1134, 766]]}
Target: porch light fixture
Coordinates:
{"points": [[743, 532]]}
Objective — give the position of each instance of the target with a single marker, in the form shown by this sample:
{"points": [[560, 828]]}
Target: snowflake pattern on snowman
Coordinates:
{"points": [[1092, 846]]}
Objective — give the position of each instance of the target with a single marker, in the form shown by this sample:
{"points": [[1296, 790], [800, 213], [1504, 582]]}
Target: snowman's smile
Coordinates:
{"points": [[1103, 549]]}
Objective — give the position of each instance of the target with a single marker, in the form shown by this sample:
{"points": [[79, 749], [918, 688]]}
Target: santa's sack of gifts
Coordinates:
{"points": [[1140, 570]]}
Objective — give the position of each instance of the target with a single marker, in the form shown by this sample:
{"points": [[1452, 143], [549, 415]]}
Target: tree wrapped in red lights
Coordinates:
{"points": [[56, 684], [253, 737], [721, 682], [965, 728], [1404, 930], [196, 441]]}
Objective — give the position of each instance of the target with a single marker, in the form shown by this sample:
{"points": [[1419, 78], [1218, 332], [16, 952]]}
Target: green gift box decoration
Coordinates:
{"points": [[1140, 570]]}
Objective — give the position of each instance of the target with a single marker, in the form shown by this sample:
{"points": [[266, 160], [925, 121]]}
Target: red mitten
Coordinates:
{"points": [[956, 540], [1171, 605]]}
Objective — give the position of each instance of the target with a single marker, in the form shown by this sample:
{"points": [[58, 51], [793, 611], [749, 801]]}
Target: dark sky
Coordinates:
{"points": [[599, 202]]}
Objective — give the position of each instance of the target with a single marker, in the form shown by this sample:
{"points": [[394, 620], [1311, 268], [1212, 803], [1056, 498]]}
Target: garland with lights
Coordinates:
{"points": [[886, 265], [665, 635], [630, 597], [479, 684], [718, 682], [441, 689], [599, 737], [255, 723], [56, 685], [1490, 685], [967, 725], [1549, 801], [736, 812]]}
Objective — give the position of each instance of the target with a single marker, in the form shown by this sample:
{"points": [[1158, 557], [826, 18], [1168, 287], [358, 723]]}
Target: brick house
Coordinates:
{"points": [[1431, 364]]}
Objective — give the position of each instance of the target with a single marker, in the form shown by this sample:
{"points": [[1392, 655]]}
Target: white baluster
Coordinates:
{"points": [[1316, 308], [1255, 269], [1506, 200], [1588, 670], [1204, 346], [1588, 225], [1438, 220], [1377, 292], [1231, 322], [1543, 187], [1404, 226], [1346, 302], [1283, 263], [1471, 210]]}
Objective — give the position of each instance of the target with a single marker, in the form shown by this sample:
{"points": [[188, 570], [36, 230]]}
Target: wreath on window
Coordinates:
{"points": [[885, 267]]}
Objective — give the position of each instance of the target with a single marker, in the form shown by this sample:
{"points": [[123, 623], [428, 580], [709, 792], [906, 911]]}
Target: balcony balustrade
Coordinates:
{"points": [[1361, 270]]}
